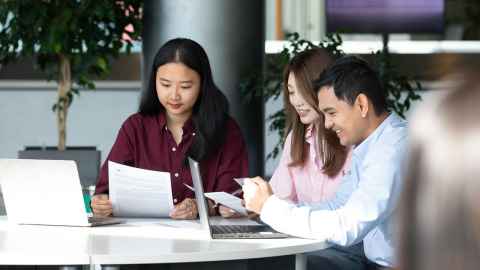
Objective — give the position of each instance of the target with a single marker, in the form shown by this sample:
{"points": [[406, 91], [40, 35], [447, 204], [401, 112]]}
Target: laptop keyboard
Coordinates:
{"points": [[244, 231], [223, 229], [98, 219]]}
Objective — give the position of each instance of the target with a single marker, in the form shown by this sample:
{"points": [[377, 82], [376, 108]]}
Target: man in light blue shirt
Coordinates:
{"points": [[358, 222]]}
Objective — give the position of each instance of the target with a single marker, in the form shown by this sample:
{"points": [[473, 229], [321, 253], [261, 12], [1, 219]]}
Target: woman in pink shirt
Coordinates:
{"points": [[313, 161]]}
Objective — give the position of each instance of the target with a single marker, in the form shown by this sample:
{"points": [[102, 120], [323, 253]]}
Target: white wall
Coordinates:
{"points": [[271, 138], [269, 19], [94, 119], [307, 17]]}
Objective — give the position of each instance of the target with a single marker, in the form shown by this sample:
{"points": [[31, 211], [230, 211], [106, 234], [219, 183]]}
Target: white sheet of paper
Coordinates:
{"points": [[138, 192], [240, 181], [227, 200]]}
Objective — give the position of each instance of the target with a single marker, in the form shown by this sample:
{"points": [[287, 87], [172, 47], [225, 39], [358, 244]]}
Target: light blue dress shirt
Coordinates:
{"points": [[364, 205]]}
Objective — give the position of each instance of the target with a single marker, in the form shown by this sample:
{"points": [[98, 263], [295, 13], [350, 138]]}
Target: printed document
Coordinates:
{"points": [[138, 192], [225, 199]]}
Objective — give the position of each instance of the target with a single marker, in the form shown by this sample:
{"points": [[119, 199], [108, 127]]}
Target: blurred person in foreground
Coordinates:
{"points": [[440, 213]]}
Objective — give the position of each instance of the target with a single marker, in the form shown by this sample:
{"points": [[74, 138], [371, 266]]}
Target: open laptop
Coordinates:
{"points": [[45, 192], [225, 231]]}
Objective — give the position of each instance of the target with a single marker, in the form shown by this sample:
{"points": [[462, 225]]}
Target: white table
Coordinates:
{"points": [[136, 242]]}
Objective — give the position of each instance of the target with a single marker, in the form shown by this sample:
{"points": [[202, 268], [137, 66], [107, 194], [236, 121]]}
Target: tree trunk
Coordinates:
{"points": [[63, 102]]}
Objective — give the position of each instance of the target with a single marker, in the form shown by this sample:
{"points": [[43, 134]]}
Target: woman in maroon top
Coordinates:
{"points": [[182, 113]]}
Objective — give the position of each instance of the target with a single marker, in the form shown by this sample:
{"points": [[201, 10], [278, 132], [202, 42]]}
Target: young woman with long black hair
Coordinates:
{"points": [[182, 113]]}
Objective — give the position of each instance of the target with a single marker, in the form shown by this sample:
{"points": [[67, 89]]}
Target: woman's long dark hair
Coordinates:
{"points": [[210, 111]]}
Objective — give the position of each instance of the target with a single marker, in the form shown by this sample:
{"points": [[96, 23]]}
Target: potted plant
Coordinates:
{"points": [[71, 42]]}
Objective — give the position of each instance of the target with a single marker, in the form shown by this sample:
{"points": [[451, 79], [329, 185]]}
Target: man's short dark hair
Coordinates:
{"points": [[350, 76]]}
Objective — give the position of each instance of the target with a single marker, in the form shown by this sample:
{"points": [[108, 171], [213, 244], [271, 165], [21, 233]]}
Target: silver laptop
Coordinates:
{"points": [[45, 192], [225, 231]]}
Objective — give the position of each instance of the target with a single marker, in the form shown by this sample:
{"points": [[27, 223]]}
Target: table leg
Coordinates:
{"points": [[300, 261], [95, 267], [110, 267], [70, 267]]}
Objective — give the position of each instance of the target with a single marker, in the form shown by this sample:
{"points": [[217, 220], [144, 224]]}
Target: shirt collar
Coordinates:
{"points": [[310, 138], [309, 132], [360, 150], [162, 120], [188, 126]]}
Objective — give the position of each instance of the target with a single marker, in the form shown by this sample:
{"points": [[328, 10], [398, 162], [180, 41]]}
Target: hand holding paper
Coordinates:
{"points": [[256, 191], [225, 199]]}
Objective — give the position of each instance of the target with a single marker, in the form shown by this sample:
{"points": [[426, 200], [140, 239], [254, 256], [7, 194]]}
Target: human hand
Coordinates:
{"points": [[228, 212], [255, 196], [250, 214], [187, 209], [101, 205], [212, 207]]}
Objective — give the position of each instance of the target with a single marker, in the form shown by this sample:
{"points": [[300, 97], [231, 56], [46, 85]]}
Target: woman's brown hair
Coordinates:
{"points": [[306, 67]]}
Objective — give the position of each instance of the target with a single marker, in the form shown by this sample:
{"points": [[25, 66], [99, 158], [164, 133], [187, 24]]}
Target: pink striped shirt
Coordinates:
{"points": [[305, 184]]}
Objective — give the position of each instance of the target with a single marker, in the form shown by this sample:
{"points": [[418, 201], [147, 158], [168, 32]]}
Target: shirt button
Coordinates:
{"points": [[176, 174], [174, 149], [175, 200]]}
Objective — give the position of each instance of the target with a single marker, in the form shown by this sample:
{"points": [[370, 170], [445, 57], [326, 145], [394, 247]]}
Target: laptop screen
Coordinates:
{"points": [[42, 192], [250, 230], [199, 196]]}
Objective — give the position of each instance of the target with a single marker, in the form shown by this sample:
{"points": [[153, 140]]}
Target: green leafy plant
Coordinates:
{"points": [[72, 41], [401, 91]]}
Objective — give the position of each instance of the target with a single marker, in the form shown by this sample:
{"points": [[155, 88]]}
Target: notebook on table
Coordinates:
{"points": [[45, 192], [255, 231]]}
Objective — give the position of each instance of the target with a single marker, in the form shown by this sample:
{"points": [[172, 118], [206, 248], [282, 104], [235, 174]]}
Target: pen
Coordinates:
{"points": [[236, 192], [189, 187]]}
